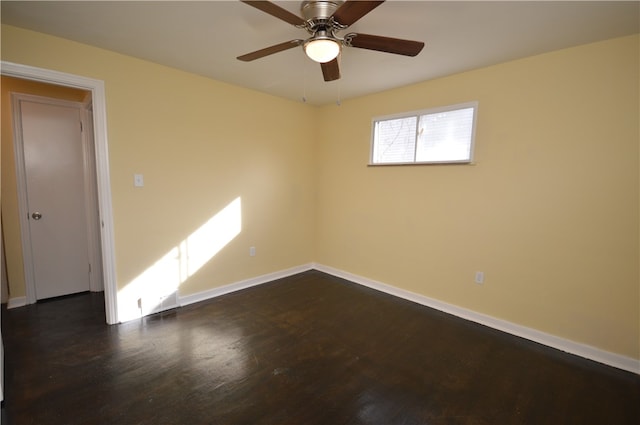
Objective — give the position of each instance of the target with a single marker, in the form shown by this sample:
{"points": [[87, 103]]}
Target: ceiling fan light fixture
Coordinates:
{"points": [[322, 48]]}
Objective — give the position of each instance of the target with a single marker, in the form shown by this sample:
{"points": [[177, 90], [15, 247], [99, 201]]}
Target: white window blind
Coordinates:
{"points": [[441, 135], [396, 140]]}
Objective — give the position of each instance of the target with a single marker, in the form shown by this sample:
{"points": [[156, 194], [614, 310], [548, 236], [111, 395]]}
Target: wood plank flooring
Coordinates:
{"points": [[308, 349]]}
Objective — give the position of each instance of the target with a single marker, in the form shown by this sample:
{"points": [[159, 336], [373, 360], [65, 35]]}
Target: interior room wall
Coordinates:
{"points": [[200, 145], [548, 211]]}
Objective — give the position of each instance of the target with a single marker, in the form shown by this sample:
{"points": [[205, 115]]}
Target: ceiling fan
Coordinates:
{"points": [[323, 19]]}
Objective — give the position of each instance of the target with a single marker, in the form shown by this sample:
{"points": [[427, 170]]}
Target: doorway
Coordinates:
{"points": [[103, 192], [55, 167]]}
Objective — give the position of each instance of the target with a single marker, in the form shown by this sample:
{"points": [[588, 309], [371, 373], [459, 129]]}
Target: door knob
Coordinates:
{"points": [[36, 216]]}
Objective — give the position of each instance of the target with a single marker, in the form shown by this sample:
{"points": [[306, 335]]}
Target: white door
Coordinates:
{"points": [[53, 159]]}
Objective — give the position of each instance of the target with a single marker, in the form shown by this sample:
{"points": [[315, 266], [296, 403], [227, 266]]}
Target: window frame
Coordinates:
{"points": [[418, 114]]}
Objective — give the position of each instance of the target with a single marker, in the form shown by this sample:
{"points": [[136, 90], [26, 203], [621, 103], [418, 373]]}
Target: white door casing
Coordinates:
{"points": [[48, 133], [96, 87], [92, 210]]}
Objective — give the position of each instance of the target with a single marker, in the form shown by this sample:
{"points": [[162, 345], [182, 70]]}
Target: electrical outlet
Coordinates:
{"points": [[479, 278], [252, 251]]}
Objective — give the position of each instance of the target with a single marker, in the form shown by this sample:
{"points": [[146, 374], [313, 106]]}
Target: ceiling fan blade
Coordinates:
{"points": [[353, 10], [384, 44], [331, 70], [270, 50], [275, 10]]}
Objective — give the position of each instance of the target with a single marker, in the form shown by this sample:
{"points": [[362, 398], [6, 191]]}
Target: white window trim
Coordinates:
{"points": [[418, 113]]}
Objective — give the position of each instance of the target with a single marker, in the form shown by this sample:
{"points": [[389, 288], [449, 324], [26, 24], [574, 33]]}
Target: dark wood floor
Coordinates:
{"points": [[309, 349]]}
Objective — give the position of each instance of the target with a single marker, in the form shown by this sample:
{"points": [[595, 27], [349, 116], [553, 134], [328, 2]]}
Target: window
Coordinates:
{"points": [[433, 136]]}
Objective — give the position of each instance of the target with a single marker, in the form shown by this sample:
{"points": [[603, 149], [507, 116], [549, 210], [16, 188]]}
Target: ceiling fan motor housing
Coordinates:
{"points": [[319, 10]]}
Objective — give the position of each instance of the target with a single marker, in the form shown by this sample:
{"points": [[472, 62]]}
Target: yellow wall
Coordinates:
{"points": [[11, 232], [200, 144], [549, 212]]}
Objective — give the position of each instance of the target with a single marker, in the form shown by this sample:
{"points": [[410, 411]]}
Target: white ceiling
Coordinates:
{"points": [[205, 37]]}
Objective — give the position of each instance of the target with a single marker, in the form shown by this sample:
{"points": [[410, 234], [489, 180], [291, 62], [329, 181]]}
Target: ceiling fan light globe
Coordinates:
{"points": [[322, 50]]}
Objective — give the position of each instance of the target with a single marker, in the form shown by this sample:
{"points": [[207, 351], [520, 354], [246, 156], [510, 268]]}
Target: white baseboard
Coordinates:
{"points": [[243, 284], [16, 302], [582, 350]]}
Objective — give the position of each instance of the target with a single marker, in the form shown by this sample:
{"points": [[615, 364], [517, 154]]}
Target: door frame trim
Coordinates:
{"points": [[96, 87], [91, 187]]}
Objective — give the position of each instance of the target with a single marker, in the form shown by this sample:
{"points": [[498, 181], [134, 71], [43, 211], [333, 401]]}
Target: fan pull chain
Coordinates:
{"points": [[304, 81], [339, 101]]}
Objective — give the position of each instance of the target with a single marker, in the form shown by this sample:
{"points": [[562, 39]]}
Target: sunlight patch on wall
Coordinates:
{"points": [[156, 288]]}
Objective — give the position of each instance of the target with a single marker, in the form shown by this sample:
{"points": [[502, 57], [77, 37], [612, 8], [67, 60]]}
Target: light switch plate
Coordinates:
{"points": [[138, 180]]}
